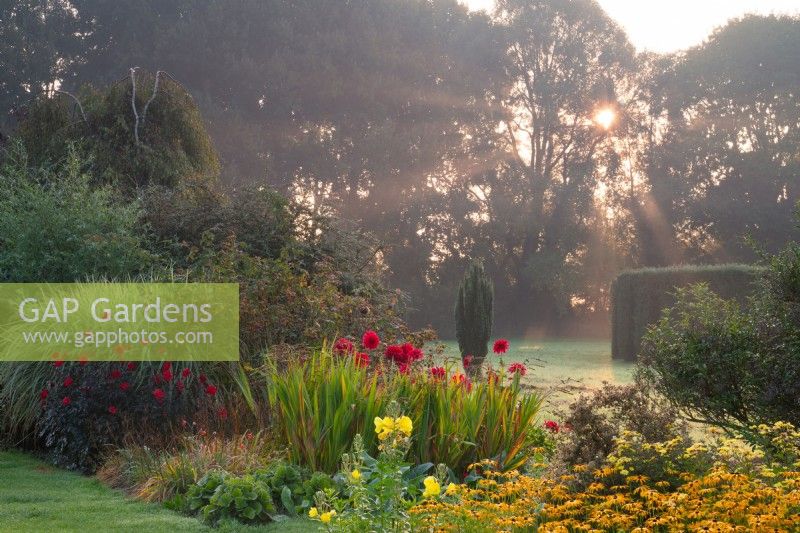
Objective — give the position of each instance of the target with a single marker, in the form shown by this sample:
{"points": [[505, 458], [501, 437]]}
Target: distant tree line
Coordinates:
{"points": [[453, 135]]}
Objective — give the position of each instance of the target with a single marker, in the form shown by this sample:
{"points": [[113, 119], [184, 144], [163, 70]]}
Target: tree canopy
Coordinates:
{"points": [[534, 138]]}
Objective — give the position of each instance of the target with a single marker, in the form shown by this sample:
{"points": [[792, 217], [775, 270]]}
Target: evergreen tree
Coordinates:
{"points": [[474, 316]]}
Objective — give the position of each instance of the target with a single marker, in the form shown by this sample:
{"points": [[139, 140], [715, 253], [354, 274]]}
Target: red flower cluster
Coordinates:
{"points": [[370, 340], [551, 426], [500, 346], [362, 359], [343, 346], [517, 368], [438, 372], [159, 395], [166, 371], [404, 354]]}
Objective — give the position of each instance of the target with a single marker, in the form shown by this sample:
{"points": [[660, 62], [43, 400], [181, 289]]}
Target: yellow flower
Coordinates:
{"points": [[452, 488], [326, 517], [313, 513], [384, 426], [432, 487], [404, 424], [355, 474]]}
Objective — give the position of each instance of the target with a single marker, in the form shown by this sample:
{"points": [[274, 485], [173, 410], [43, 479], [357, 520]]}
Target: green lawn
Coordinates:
{"points": [[35, 496]]}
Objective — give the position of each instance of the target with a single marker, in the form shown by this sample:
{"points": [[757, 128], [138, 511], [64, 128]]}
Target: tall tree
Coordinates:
{"points": [[39, 41], [727, 166], [565, 61]]}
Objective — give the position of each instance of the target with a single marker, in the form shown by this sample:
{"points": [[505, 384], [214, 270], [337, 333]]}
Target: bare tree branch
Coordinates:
{"points": [[78, 102], [133, 105], [152, 96]]}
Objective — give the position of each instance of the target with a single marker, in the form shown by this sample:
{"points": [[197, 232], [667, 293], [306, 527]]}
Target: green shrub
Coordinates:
{"points": [[173, 145], [473, 314], [639, 296], [723, 365], [292, 487], [596, 419], [221, 496], [55, 227]]}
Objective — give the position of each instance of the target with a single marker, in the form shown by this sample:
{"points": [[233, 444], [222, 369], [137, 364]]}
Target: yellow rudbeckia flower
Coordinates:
{"points": [[432, 487], [326, 517], [313, 513], [452, 488], [355, 474]]}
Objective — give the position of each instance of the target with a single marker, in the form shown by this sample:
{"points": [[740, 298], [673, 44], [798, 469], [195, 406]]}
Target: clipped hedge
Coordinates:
{"points": [[639, 296]]}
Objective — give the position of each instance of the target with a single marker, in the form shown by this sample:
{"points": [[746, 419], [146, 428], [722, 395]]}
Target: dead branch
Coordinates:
{"points": [[152, 96], [133, 105], [77, 102]]}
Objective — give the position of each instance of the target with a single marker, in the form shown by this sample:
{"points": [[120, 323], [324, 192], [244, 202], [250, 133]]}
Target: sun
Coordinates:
{"points": [[605, 118]]}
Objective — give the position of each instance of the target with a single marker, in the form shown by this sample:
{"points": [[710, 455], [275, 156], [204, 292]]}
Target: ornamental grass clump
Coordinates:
{"points": [[322, 402]]}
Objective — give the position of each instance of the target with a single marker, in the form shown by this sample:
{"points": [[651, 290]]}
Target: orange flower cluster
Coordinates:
{"points": [[716, 501]]}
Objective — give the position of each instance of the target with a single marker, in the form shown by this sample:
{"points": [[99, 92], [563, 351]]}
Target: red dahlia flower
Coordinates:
{"points": [[66, 401], [131, 366], [115, 374], [43, 394], [186, 372], [159, 395], [362, 359], [68, 381], [517, 368], [403, 368], [124, 385], [370, 340], [166, 374], [58, 363], [112, 409], [551, 425], [500, 346], [211, 390], [342, 346], [394, 352]]}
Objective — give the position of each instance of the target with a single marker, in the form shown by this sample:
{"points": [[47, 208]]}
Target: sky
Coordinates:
{"points": [[671, 25]]}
